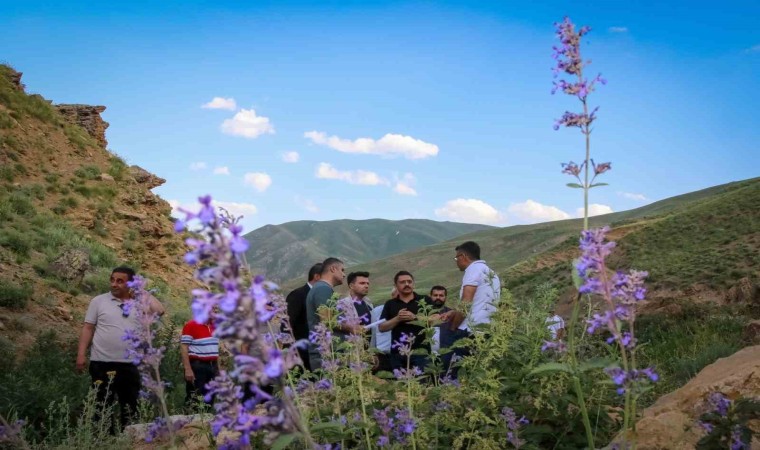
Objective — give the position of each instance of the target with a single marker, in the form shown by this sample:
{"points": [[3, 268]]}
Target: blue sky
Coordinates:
{"points": [[401, 109]]}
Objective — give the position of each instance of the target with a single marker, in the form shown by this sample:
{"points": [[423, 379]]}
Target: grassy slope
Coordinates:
{"points": [[286, 251], [525, 255]]}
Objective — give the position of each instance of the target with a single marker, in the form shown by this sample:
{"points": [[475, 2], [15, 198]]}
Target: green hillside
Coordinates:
{"points": [[286, 251], [709, 236]]}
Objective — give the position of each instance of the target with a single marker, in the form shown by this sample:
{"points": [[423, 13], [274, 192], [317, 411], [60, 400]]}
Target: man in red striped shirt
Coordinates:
{"points": [[200, 354]]}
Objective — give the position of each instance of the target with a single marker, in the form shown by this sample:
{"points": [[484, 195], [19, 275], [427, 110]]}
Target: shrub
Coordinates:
{"points": [[21, 204], [78, 136], [88, 172], [14, 296], [19, 243], [118, 168], [7, 173], [6, 121]]}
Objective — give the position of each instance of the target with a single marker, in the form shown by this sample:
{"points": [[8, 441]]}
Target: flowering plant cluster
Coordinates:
{"points": [[242, 397], [726, 422]]}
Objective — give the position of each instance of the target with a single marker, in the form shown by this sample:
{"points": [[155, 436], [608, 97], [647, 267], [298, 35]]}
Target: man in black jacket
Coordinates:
{"points": [[297, 311]]}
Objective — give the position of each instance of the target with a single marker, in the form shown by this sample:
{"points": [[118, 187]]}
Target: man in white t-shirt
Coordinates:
{"points": [[479, 294]]}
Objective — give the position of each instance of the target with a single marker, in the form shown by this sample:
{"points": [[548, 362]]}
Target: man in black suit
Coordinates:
{"points": [[297, 311]]}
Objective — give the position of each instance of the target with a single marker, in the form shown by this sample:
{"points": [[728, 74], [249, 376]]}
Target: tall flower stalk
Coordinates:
{"points": [[147, 358], [621, 293], [242, 402], [569, 61]]}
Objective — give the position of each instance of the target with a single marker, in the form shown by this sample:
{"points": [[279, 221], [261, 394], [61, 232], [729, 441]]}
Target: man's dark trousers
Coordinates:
{"points": [[120, 380]]}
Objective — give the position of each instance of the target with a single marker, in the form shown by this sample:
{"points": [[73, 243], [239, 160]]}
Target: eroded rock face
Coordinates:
{"points": [[671, 422], [71, 265], [87, 117], [15, 78], [142, 176]]}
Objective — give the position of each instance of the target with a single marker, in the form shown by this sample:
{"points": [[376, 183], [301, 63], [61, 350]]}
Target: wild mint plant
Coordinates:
{"points": [[570, 62], [147, 358], [241, 401], [726, 422]]}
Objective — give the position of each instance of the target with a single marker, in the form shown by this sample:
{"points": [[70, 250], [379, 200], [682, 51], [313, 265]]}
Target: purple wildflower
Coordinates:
{"points": [[572, 169], [558, 346], [10, 432], [719, 403], [513, 426], [410, 374], [404, 344], [244, 324]]}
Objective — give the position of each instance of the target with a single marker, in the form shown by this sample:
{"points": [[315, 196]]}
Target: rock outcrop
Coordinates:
{"points": [[670, 424], [87, 117], [71, 265], [146, 178], [744, 292]]}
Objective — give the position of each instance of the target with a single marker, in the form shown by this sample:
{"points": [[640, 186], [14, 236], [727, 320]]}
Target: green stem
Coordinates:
{"points": [[361, 398], [576, 380]]}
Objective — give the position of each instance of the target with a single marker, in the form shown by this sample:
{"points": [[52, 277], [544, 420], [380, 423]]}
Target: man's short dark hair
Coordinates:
{"points": [[315, 270], [128, 271], [439, 288], [354, 275], [329, 263], [469, 248], [400, 274]]}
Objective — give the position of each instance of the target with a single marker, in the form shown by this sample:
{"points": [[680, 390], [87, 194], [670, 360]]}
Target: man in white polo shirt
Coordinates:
{"points": [[479, 294], [107, 320]]}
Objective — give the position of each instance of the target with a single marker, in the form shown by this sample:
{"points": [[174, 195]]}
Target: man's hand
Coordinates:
{"points": [[189, 376], [445, 317], [406, 316], [81, 363]]}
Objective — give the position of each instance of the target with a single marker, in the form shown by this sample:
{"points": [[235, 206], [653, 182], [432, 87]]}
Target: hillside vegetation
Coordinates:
{"points": [[287, 251], [710, 237], [70, 210]]}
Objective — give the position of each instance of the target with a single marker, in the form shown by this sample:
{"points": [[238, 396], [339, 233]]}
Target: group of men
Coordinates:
{"points": [[386, 323], [109, 316]]}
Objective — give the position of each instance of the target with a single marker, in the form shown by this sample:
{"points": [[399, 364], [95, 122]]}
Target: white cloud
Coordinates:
{"points": [[632, 196], [390, 145], [247, 124], [291, 157], [617, 29], [258, 180], [469, 210], [200, 165], [533, 212], [404, 185], [307, 204], [221, 103], [594, 209], [328, 172], [222, 170]]}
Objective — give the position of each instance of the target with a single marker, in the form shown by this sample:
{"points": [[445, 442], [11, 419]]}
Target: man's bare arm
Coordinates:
{"points": [[468, 293], [184, 350], [85, 339]]}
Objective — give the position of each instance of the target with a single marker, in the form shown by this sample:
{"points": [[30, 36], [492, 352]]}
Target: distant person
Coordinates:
{"points": [[481, 290], [333, 273], [296, 301], [354, 310], [199, 350], [556, 326], [105, 324], [398, 313]]}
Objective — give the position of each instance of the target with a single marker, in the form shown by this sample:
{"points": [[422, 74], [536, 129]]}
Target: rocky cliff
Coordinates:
{"points": [[70, 209]]}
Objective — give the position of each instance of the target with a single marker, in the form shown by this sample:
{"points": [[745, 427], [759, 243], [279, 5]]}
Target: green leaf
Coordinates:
{"points": [[551, 367], [420, 351], [577, 281], [574, 185], [325, 426], [284, 440], [598, 184], [594, 363]]}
